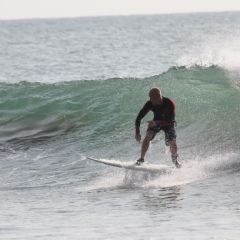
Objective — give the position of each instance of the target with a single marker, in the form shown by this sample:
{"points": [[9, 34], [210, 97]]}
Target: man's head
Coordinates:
{"points": [[155, 96]]}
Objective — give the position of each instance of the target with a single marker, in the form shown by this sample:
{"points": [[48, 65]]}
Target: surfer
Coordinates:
{"points": [[164, 110]]}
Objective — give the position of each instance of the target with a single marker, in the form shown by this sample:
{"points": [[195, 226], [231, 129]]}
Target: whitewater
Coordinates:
{"points": [[72, 88]]}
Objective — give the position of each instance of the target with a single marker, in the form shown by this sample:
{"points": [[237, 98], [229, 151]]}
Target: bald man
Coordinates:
{"points": [[164, 110]]}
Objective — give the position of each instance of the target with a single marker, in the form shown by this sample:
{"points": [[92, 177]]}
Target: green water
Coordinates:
{"points": [[103, 112]]}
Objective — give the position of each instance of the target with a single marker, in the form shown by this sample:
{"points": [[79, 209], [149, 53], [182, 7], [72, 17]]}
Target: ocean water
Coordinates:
{"points": [[72, 88]]}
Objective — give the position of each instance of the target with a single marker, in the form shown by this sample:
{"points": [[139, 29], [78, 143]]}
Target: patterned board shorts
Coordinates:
{"points": [[170, 132]]}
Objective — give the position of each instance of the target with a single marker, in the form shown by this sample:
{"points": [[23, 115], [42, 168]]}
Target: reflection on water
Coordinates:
{"points": [[159, 200], [153, 199]]}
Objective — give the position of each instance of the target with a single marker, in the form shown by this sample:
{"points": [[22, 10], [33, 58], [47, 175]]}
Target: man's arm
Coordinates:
{"points": [[172, 110], [142, 113]]}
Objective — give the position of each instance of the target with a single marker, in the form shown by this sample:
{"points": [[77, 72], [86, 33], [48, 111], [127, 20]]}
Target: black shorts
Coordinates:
{"points": [[170, 132]]}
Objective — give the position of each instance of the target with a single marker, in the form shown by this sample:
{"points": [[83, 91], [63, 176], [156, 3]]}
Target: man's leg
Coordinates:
{"points": [[146, 143], [173, 150], [170, 140]]}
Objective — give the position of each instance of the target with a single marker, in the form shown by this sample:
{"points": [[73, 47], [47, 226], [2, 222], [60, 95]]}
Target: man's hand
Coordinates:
{"points": [[151, 123], [138, 137]]}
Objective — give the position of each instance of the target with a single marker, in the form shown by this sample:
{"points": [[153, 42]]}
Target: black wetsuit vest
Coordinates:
{"points": [[164, 113]]}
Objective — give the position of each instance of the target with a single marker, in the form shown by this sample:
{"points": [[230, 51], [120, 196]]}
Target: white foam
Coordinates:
{"points": [[215, 50], [198, 169]]}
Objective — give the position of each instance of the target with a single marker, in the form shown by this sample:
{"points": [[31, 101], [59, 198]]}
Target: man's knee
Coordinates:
{"points": [[149, 136]]}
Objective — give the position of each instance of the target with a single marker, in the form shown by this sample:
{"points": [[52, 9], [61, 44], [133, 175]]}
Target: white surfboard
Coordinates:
{"points": [[145, 167]]}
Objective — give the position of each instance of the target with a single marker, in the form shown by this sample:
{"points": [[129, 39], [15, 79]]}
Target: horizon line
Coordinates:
{"points": [[116, 15]]}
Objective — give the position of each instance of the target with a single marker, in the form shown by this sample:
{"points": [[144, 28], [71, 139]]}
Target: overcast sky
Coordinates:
{"points": [[17, 9]]}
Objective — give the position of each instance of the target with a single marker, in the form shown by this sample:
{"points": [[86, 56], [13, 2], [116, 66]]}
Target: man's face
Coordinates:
{"points": [[154, 98]]}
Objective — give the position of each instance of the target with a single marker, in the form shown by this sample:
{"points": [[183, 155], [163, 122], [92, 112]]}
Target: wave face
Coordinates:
{"points": [[98, 116]]}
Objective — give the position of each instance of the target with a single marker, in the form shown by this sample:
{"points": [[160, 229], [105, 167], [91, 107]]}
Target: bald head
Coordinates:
{"points": [[155, 96], [155, 92]]}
